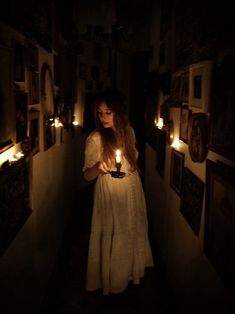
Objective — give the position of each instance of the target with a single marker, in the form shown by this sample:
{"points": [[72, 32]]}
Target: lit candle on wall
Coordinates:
{"points": [[118, 156]]}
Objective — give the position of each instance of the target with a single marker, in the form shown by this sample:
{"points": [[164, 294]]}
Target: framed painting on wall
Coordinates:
{"points": [[184, 121], [19, 62], [160, 151], [176, 173], [200, 85], [220, 220], [222, 127], [184, 86], [21, 108], [34, 131], [192, 199], [7, 114], [197, 136]]}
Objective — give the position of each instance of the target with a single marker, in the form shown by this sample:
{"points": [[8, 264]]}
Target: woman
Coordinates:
{"points": [[119, 248]]}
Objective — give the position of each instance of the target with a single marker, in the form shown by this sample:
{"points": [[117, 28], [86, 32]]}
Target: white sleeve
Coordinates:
{"points": [[92, 152]]}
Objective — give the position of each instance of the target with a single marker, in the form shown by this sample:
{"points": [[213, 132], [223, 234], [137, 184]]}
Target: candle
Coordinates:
{"points": [[118, 156]]}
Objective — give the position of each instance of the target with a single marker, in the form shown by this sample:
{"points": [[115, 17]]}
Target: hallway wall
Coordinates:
{"points": [[195, 283], [26, 266]]}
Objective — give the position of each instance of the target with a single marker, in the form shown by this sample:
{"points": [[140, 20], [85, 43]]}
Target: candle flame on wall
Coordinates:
{"points": [[176, 143], [160, 123]]}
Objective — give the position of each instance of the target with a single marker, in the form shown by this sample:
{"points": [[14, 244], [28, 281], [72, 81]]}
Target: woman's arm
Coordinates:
{"points": [[92, 172]]}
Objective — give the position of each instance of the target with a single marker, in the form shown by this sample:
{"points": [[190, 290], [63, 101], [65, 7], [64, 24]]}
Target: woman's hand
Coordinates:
{"points": [[91, 173], [102, 167]]}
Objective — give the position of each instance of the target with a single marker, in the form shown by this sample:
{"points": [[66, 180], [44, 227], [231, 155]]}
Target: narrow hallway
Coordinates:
{"points": [[67, 293]]}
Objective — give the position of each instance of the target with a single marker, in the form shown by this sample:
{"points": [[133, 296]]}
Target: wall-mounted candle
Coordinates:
{"points": [[118, 156]]}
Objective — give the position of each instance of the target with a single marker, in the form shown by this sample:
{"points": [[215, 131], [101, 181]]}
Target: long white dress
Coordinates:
{"points": [[119, 248]]}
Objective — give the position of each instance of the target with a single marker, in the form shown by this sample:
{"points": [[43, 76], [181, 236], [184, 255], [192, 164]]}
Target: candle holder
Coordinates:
{"points": [[118, 174]]}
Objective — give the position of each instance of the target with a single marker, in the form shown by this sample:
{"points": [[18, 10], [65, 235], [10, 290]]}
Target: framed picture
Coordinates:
{"points": [[35, 88], [197, 136], [19, 62], [176, 173], [34, 131], [7, 110], [192, 199], [160, 151], [47, 91], [21, 109], [184, 86], [57, 70], [32, 57], [219, 220], [200, 85], [49, 132], [221, 139], [184, 121], [14, 205], [175, 86]]}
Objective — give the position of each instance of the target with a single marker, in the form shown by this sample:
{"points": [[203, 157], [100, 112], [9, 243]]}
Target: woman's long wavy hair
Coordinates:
{"points": [[122, 137]]}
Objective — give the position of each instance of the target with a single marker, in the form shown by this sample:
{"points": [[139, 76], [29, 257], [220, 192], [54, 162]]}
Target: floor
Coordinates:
{"points": [[67, 293]]}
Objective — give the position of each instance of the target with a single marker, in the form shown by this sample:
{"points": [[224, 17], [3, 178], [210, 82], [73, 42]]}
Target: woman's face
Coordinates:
{"points": [[105, 115]]}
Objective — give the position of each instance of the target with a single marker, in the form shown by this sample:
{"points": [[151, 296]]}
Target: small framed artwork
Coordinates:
{"points": [[197, 137], [49, 132], [21, 108], [200, 85], [221, 139], [32, 57], [7, 110], [34, 131], [184, 121], [219, 220], [19, 62], [184, 86], [192, 199], [175, 86], [176, 173], [57, 70], [35, 87], [160, 151]]}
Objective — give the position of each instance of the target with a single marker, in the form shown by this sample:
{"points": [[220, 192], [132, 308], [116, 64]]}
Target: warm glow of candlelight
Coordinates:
{"points": [[176, 143], [19, 155], [57, 123], [118, 156], [75, 123], [160, 123]]}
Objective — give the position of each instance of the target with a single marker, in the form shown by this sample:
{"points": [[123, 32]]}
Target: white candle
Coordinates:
{"points": [[118, 156]]}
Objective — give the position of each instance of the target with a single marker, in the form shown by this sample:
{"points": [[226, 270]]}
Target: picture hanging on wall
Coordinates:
{"points": [[197, 137], [19, 62], [34, 131], [21, 108], [160, 151], [7, 116], [220, 220], [200, 85], [176, 172], [222, 128], [184, 121], [192, 199], [49, 132], [184, 86]]}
